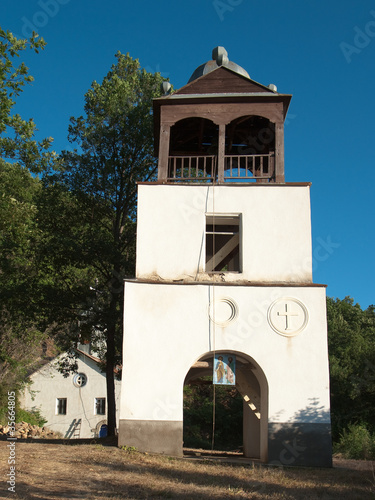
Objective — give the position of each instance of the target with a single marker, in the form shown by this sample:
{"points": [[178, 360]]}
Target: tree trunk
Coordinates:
{"points": [[110, 367], [111, 407]]}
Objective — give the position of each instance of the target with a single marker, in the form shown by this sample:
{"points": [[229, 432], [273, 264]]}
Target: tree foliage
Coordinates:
{"points": [[92, 199], [351, 338], [21, 157], [198, 416], [17, 141]]}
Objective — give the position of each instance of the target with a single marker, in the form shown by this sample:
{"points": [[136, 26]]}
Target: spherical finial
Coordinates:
{"points": [[166, 88], [272, 87], [219, 59], [219, 54], [222, 60]]}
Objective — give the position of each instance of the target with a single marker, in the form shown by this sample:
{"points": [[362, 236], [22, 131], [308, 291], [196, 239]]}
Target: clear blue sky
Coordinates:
{"points": [[322, 52]]}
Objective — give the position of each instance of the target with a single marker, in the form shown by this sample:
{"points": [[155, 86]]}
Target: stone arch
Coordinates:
{"points": [[252, 384]]}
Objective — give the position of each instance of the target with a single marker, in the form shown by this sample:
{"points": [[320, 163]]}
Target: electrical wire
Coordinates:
{"points": [[213, 319]]}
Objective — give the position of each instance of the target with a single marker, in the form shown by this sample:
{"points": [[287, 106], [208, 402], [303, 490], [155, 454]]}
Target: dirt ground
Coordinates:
{"points": [[51, 470]]}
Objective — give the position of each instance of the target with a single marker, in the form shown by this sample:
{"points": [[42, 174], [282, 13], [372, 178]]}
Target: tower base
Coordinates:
{"points": [[300, 444], [152, 436]]}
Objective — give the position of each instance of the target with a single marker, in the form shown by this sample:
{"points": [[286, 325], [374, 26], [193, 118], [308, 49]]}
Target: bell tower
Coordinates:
{"points": [[224, 272], [221, 127]]}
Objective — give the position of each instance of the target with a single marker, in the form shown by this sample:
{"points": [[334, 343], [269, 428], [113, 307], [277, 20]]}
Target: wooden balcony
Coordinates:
{"points": [[192, 168], [252, 168], [237, 168]]}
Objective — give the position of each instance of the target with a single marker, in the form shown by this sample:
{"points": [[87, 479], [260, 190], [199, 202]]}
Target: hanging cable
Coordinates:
{"points": [[213, 367], [213, 418], [213, 316]]}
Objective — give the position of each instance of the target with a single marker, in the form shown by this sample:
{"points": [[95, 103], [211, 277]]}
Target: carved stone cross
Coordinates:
{"points": [[287, 314]]}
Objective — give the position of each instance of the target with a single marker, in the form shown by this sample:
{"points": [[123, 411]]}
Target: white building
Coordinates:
{"points": [[224, 268], [75, 406]]}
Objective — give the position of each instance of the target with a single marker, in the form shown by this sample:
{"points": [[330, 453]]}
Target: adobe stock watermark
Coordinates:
{"points": [[11, 445], [40, 19], [362, 38], [223, 6], [246, 326], [289, 454], [165, 409], [367, 377], [157, 69]]}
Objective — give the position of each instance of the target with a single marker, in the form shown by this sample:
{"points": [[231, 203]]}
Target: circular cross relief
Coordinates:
{"points": [[288, 316], [222, 311]]}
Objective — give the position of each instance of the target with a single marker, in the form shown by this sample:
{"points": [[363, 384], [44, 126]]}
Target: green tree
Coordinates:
{"points": [[17, 142], [21, 158], [94, 196], [198, 416], [351, 340]]}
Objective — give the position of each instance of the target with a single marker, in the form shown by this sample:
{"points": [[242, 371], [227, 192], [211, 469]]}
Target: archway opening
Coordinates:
{"points": [[193, 150], [239, 422], [250, 149], [199, 400]]}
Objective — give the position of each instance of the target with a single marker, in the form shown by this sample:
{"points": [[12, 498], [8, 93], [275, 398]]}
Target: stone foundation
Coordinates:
{"points": [[300, 444]]}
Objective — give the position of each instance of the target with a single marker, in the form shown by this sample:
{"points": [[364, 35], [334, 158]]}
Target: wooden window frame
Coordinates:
{"points": [[229, 248], [61, 406], [100, 406]]}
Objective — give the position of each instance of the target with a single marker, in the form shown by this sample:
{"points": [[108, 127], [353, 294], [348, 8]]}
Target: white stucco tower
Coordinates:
{"points": [[224, 265]]}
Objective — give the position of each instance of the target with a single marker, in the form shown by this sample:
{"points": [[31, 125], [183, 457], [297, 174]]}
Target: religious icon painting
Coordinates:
{"points": [[224, 369]]}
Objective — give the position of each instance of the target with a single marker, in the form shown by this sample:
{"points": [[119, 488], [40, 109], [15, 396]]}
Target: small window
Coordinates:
{"points": [[99, 406], [223, 243], [61, 406]]}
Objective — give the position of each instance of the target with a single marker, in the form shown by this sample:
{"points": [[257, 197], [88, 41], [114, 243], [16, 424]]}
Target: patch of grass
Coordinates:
{"points": [[129, 449], [100, 473]]}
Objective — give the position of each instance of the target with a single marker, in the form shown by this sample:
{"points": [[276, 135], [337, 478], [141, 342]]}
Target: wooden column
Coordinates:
{"points": [[165, 130], [221, 154], [279, 152]]}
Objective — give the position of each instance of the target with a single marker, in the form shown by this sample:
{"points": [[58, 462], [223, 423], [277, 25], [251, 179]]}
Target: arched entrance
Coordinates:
{"points": [[251, 383]]}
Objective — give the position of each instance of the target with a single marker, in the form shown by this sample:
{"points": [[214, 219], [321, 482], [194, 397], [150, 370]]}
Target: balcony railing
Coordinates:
{"points": [[249, 168], [245, 168], [192, 168]]}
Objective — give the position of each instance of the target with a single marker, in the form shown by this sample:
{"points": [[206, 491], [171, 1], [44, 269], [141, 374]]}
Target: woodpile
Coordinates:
{"points": [[24, 430]]}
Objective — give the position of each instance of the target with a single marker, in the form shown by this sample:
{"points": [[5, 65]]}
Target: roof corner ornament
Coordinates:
{"points": [[165, 88], [220, 55]]}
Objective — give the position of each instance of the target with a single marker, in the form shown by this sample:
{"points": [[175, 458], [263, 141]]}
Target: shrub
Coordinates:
{"points": [[356, 442], [32, 417]]}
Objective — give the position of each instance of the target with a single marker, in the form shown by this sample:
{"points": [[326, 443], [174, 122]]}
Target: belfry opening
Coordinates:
{"points": [[249, 150], [224, 268]]}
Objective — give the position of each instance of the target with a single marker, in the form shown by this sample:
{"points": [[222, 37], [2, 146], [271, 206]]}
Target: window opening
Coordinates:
{"points": [[193, 150], [61, 405], [80, 380], [223, 243], [99, 406], [250, 149]]}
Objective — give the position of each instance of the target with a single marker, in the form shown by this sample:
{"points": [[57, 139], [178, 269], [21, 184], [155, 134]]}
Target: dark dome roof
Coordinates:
{"points": [[219, 58]]}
